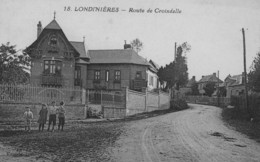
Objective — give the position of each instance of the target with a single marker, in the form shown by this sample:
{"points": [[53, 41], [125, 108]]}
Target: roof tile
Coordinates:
{"points": [[116, 56]]}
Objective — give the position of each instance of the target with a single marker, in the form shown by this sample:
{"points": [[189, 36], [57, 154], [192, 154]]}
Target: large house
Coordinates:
{"points": [[115, 69], [58, 62]]}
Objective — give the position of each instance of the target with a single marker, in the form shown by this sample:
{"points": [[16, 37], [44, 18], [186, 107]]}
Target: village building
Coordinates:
{"points": [[208, 79], [116, 69], [187, 89], [58, 62], [234, 85], [153, 79]]}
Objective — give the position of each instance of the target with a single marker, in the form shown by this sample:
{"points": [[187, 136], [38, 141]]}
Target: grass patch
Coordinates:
{"points": [[87, 142], [239, 121]]}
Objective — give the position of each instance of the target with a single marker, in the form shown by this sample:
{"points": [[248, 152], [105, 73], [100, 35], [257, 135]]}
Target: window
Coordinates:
{"points": [[97, 75], [151, 80], [107, 76], [138, 75], [52, 67], [77, 72], [77, 76], [53, 40], [117, 75]]}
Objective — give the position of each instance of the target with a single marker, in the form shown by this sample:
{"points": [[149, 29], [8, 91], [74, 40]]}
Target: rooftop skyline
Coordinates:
{"points": [[213, 29]]}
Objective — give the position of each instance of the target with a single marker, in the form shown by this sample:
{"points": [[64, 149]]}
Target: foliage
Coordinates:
{"points": [[137, 45], [222, 92], [13, 65], [178, 104], [254, 74], [194, 89], [176, 73], [209, 88]]}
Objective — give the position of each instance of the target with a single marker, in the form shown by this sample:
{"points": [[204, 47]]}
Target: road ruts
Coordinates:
{"points": [[194, 135]]}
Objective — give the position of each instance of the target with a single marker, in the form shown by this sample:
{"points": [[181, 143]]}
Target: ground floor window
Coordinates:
{"points": [[117, 75], [77, 76], [97, 75]]}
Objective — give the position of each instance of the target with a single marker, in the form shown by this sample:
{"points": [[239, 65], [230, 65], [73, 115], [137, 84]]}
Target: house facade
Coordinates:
{"points": [[58, 62], [153, 80], [55, 60], [116, 69], [208, 79], [234, 85]]}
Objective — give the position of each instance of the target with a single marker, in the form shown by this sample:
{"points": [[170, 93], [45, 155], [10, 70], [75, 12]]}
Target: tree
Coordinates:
{"points": [[176, 73], [254, 74], [167, 74], [181, 69], [137, 45], [13, 65], [209, 88]]}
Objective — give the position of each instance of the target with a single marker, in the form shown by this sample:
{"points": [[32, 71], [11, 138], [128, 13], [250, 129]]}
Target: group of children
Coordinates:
{"points": [[53, 111]]}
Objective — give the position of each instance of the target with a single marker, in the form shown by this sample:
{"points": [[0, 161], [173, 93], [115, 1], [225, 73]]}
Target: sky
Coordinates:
{"points": [[212, 28]]}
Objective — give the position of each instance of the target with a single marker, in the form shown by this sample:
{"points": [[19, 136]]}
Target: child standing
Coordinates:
{"points": [[42, 117], [28, 115], [52, 115], [61, 115]]}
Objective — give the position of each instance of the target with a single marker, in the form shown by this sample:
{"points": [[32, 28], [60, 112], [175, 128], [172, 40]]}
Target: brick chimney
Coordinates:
{"points": [[39, 28], [127, 46], [214, 74]]}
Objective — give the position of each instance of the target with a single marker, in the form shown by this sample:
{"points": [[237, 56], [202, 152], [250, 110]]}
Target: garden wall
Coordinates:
{"points": [[14, 112]]}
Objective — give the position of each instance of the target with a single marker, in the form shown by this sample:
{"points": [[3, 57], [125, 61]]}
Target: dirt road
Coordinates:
{"points": [[196, 134]]}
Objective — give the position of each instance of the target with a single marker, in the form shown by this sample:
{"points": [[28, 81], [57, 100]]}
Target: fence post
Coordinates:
{"points": [[101, 97], [159, 97], [126, 100], [83, 100], [146, 97]]}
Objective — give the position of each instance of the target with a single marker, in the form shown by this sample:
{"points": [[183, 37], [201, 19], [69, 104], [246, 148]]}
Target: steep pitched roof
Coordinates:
{"points": [[80, 47], [53, 25], [153, 66], [235, 80], [209, 78], [116, 56]]}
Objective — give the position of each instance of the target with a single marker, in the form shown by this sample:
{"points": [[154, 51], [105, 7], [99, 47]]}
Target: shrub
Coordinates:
{"points": [[178, 104]]}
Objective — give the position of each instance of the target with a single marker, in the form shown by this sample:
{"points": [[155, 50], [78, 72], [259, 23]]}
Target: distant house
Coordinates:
{"points": [[208, 79], [234, 85], [153, 80], [188, 88]]}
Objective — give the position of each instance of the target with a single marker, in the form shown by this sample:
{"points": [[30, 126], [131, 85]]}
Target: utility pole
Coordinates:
{"points": [[218, 89], [175, 52], [245, 74]]}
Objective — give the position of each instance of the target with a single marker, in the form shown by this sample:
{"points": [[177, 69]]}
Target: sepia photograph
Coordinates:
{"points": [[130, 81]]}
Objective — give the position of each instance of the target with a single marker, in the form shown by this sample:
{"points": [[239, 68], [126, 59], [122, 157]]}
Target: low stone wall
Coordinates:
{"points": [[14, 112], [114, 112]]}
